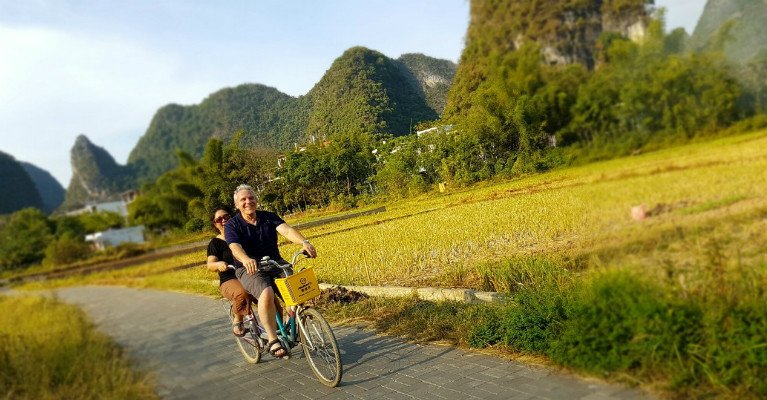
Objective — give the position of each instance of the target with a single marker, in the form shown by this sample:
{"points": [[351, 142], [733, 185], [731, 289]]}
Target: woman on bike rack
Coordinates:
{"points": [[251, 235], [219, 257]]}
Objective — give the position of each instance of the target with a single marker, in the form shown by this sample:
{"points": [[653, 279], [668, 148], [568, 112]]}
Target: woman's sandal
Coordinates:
{"points": [[273, 350], [237, 326]]}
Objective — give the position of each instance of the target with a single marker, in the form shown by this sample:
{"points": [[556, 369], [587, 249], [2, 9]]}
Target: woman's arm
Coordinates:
{"points": [[214, 265], [296, 237]]}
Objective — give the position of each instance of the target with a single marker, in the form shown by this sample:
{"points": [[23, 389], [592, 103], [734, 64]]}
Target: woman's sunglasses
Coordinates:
{"points": [[221, 219]]}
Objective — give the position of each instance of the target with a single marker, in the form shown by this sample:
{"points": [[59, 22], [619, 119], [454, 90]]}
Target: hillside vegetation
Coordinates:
{"points": [[365, 92], [432, 75], [568, 31]]}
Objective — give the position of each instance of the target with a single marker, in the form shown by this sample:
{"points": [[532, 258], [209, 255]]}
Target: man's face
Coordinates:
{"points": [[246, 202]]}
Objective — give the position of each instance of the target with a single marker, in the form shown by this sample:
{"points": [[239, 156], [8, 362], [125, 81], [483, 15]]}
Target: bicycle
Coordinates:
{"points": [[305, 325]]}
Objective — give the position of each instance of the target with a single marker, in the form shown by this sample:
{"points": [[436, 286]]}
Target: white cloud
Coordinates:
{"points": [[56, 85]]}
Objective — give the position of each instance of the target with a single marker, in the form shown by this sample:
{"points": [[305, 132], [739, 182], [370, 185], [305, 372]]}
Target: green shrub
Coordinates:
{"points": [[66, 250], [535, 321], [619, 322], [732, 352], [485, 327]]}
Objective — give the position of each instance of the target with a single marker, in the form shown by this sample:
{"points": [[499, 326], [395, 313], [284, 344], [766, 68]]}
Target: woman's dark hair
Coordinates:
{"points": [[213, 215]]}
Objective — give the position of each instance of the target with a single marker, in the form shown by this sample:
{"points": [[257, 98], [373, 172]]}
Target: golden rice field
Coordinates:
{"points": [[563, 213], [456, 239]]}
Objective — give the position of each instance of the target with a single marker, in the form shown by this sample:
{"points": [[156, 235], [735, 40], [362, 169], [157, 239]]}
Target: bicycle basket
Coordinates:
{"points": [[298, 288]]}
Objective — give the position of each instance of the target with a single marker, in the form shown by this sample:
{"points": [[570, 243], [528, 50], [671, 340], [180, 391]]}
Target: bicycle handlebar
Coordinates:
{"points": [[267, 261]]}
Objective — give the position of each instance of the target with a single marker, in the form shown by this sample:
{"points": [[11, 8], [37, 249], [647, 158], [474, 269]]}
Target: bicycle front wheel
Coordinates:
{"points": [[320, 347]]}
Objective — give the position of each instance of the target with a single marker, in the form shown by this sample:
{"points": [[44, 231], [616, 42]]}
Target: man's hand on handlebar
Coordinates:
{"points": [[251, 266], [309, 250]]}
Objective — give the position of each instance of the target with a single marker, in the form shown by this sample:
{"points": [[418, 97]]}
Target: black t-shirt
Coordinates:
{"points": [[218, 247], [257, 240]]}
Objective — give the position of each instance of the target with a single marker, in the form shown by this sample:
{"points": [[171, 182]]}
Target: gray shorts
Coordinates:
{"points": [[256, 283]]}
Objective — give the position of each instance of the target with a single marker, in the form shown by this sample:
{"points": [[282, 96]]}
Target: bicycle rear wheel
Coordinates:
{"points": [[320, 347], [250, 344]]}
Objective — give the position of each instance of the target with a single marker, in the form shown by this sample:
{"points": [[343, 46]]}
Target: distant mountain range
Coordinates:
{"points": [[736, 25], [50, 190], [18, 188], [363, 90]]}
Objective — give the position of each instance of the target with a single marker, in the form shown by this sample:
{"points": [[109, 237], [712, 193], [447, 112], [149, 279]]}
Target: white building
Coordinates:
{"points": [[113, 237], [119, 206]]}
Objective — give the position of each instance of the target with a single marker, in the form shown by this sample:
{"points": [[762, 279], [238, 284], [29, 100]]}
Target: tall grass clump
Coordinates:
{"points": [[49, 350], [516, 273]]}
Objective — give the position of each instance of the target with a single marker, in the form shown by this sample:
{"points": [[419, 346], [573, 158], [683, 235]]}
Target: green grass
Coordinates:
{"points": [[49, 350]]}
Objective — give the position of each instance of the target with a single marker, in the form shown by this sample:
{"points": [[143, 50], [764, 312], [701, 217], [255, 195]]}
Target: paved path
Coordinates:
{"points": [[185, 340]]}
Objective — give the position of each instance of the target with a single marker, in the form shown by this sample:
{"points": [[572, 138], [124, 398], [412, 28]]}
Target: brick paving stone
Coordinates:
{"points": [[186, 342]]}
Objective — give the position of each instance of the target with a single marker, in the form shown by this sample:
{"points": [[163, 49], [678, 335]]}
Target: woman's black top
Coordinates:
{"points": [[218, 247]]}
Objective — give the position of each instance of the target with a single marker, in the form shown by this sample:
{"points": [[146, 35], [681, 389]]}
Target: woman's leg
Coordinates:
{"points": [[235, 292]]}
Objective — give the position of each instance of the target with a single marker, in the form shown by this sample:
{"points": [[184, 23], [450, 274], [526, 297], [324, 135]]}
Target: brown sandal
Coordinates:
{"points": [[238, 329], [273, 350]]}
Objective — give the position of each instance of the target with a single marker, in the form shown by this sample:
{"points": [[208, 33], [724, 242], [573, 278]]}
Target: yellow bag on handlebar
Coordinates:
{"points": [[298, 288]]}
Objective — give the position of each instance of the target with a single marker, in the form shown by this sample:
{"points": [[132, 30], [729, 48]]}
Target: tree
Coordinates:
{"points": [[24, 237]]}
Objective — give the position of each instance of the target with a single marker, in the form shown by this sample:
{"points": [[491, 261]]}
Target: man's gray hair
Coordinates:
{"points": [[241, 188]]}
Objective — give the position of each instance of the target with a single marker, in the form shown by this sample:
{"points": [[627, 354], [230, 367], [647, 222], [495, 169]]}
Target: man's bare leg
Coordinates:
{"points": [[266, 313]]}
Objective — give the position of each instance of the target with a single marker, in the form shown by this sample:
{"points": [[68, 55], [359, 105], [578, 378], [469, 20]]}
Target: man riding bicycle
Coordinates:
{"points": [[251, 235]]}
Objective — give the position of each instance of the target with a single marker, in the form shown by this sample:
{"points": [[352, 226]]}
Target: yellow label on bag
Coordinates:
{"points": [[298, 288]]}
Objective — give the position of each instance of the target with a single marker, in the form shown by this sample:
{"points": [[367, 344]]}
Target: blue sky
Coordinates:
{"points": [[102, 68]]}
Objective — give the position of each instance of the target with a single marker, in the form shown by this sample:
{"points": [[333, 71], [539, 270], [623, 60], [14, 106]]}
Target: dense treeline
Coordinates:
{"points": [[183, 197], [30, 237]]}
